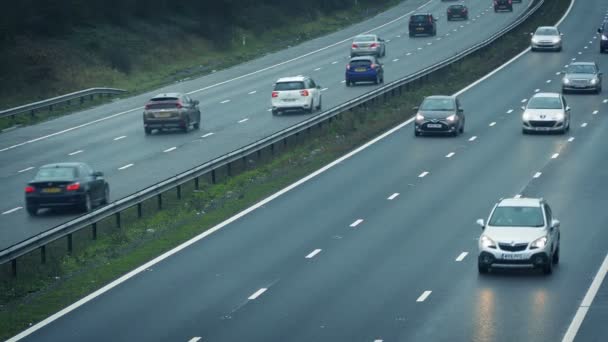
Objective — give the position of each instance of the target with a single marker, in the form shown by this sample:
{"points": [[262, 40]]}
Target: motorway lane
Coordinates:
{"points": [[365, 282], [99, 147]]}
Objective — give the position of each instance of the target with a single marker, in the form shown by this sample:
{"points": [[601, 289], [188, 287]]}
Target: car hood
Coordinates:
{"points": [[436, 114], [514, 234], [543, 114], [580, 76]]}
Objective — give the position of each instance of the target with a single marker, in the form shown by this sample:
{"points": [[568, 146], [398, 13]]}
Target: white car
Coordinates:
{"points": [[546, 112], [546, 38], [295, 93], [520, 232]]}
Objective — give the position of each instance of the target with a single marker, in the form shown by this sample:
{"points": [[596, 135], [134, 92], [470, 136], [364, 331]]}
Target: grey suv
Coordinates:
{"points": [[439, 114], [171, 110], [520, 232]]}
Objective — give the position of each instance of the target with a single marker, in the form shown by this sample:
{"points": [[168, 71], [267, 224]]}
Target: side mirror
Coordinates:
{"points": [[460, 110], [567, 108], [195, 102], [97, 174], [561, 34], [318, 86], [531, 33], [481, 223], [555, 223], [599, 30], [600, 73], [523, 108]]}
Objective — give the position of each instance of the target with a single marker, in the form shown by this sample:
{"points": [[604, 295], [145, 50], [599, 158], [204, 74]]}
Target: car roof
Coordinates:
{"points": [[68, 164], [547, 95], [583, 63], [168, 95], [423, 13], [441, 97], [292, 79], [362, 58], [546, 27], [365, 35], [520, 202], [457, 5]]}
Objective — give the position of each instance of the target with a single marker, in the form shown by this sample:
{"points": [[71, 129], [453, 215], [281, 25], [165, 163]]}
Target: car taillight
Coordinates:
{"points": [[374, 66], [178, 105], [147, 106], [510, 2], [355, 46], [449, 11], [347, 66], [73, 187], [430, 20], [304, 92], [29, 189], [275, 94], [373, 45]]}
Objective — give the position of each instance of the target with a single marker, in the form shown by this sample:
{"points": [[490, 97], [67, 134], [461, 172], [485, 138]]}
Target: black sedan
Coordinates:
{"points": [[66, 185]]}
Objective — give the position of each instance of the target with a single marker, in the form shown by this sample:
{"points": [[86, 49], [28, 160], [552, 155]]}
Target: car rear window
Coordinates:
{"points": [[289, 86], [360, 63], [419, 18], [365, 39], [457, 7], [158, 99], [542, 102], [437, 104], [517, 217], [56, 173], [162, 105]]}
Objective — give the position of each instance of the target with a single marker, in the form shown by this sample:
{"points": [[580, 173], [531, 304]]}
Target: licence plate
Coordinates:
{"points": [[509, 256], [434, 125], [51, 190], [419, 28], [360, 69], [288, 100], [162, 115]]}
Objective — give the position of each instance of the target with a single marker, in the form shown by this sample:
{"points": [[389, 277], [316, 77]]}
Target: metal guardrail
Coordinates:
{"points": [[11, 254], [49, 103]]}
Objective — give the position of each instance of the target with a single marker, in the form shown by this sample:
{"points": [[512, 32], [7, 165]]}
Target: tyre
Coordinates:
{"points": [[377, 80], [555, 259], [186, 126], [348, 83], [524, 131], [462, 128], [483, 269], [197, 124], [32, 210], [87, 205], [319, 105], [416, 133], [311, 108], [548, 267], [106, 196], [434, 32], [275, 112], [148, 130], [411, 34]]}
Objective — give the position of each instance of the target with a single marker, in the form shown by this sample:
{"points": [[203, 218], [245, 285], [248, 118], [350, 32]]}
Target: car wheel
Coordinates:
{"points": [[483, 269], [555, 258], [347, 83], [186, 126], [411, 34], [320, 102], [32, 210], [416, 133], [148, 130], [312, 107], [197, 124], [87, 206], [524, 131], [106, 196], [548, 267], [377, 80], [462, 128]]}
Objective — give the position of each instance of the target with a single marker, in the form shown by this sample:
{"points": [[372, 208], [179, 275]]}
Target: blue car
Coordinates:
{"points": [[364, 69]]}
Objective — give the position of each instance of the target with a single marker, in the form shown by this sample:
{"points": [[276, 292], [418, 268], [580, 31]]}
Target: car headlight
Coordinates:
{"points": [[539, 243], [566, 80], [594, 80], [560, 116], [526, 116], [555, 40], [452, 118], [534, 40], [419, 117], [486, 242], [604, 37]]}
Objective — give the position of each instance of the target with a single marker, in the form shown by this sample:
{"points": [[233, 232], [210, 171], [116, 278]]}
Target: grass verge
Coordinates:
{"points": [[41, 290]]}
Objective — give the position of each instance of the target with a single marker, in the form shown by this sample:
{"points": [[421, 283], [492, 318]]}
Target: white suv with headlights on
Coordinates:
{"points": [[520, 232], [295, 93]]}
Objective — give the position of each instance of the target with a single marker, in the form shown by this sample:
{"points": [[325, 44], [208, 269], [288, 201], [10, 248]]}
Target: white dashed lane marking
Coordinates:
{"points": [[170, 149], [12, 211], [473, 138], [595, 112], [584, 124], [605, 101], [125, 167], [120, 137], [419, 48], [408, 54], [536, 90], [207, 135], [356, 223], [334, 62], [571, 139], [462, 256], [324, 89], [396, 60], [424, 174], [548, 81], [450, 155], [26, 169], [317, 69], [225, 101], [257, 293], [492, 123], [243, 120], [536, 175], [195, 339], [75, 153], [343, 81], [393, 196], [424, 296], [558, 73], [313, 253], [252, 92], [555, 155], [510, 111], [518, 196], [524, 100]]}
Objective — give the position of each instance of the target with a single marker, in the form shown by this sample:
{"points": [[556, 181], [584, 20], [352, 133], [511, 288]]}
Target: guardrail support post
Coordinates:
{"points": [[50, 108], [14, 267], [139, 214], [196, 185], [285, 142], [213, 176], [117, 215], [229, 169], [94, 230], [179, 192], [245, 162], [160, 201], [81, 101], [70, 244], [43, 254], [272, 149], [32, 113]]}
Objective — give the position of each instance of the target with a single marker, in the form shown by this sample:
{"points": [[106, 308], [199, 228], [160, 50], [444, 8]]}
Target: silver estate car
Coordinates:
{"points": [[582, 76], [368, 44], [520, 232], [546, 38], [546, 112], [439, 114]]}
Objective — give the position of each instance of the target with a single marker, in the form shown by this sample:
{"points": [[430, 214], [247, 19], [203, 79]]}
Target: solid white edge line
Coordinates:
{"points": [[170, 149], [586, 303], [424, 296], [555, 155], [257, 293], [26, 169], [462, 256], [125, 167], [393, 196], [219, 226], [313, 253], [356, 223], [120, 137], [12, 210], [207, 135]]}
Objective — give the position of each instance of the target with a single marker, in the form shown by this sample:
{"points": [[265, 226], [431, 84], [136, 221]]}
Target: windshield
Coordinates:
{"points": [[545, 103], [581, 69], [56, 173], [546, 32], [437, 104], [517, 217], [360, 39], [289, 86]]}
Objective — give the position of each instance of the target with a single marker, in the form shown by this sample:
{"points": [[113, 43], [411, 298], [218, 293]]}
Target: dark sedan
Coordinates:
{"points": [[459, 11], [439, 114], [66, 185]]}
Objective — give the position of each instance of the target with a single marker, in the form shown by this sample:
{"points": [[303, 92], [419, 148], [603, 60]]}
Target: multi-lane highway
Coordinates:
{"points": [[381, 245], [235, 106]]}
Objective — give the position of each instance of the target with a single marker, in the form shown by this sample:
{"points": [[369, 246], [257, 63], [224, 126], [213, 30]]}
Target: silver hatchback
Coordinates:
{"points": [[582, 76], [546, 112], [368, 44]]}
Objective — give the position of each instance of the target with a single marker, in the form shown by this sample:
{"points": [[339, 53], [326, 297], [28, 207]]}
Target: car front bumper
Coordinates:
{"points": [[546, 46], [543, 126], [436, 127], [498, 258]]}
